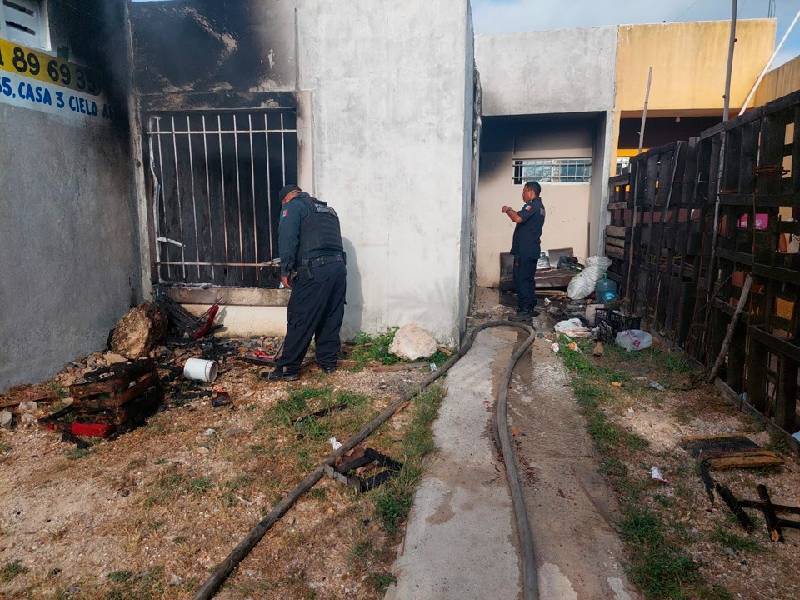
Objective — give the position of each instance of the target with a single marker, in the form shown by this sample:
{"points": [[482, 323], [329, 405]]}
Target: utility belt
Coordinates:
{"points": [[321, 261], [305, 266]]}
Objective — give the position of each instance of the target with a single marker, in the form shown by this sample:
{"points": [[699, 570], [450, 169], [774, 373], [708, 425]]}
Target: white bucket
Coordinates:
{"points": [[201, 370]]}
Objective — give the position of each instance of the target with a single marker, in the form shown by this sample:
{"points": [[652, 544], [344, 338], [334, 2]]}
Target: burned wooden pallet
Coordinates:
{"points": [[727, 451], [121, 396], [775, 524], [694, 220]]}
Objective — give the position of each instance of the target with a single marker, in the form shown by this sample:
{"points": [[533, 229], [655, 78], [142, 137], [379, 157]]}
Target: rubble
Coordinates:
{"points": [[139, 331], [411, 342]]}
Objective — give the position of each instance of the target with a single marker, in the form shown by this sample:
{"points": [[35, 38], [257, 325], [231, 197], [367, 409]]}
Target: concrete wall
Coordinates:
{"points": [[568, 204], [778, 82], [563, 71], [68, 258], [391, 91], [547, 73], [386, 94], [688, 61]]}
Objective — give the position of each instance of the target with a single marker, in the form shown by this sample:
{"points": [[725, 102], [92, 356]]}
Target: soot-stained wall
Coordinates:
{"points": [[385, 92], [68, 260]]}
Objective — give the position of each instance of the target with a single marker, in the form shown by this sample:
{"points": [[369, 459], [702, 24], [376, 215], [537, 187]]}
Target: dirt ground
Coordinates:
{"points": [[723, 561], [149, 514]]}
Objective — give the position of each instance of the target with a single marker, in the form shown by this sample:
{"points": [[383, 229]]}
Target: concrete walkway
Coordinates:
{"points": [[459, 542]]}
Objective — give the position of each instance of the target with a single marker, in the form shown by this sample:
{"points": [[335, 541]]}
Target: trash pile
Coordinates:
{"points": [[592, 310], [159, 356]]}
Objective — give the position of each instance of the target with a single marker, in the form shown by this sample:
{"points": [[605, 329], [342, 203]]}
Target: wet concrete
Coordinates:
{"points": [[459, 542]]}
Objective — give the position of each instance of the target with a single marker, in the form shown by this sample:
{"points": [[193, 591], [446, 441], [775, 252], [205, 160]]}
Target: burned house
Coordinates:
{"points": [[180, 122], [369, 108]]}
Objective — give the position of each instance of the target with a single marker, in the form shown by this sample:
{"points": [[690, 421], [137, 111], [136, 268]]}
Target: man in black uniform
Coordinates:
{"points": [[313, 266], [526, 248]]}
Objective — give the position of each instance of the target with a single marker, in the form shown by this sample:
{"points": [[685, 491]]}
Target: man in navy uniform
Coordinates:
{"points": [[313, 266], [526, 248]]}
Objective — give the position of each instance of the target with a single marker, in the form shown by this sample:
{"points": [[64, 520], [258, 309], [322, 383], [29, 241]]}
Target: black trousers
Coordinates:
{"points": [[316, 310], [525, 282]]}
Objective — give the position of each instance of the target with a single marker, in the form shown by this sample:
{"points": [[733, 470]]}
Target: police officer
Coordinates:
{"points": [[313, 266], [526, 248]]}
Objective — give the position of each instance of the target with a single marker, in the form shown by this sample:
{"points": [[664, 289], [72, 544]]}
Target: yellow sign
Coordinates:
{"points": [[35, 64]]}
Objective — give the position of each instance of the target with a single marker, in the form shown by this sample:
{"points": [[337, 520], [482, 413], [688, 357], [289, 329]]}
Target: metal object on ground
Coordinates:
{"points": [[345, 472]]}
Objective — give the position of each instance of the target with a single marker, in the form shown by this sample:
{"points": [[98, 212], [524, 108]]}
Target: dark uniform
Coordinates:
{"points": [[310, 245], [526, 248]]}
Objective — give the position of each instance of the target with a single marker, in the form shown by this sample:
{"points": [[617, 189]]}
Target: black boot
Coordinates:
{"points": [[280, 375]]}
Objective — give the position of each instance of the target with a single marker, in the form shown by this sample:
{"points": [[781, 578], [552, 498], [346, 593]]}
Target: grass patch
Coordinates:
{"points": [[393, 499], [168, 487], [120, 576], [658, 567], [374, 348], [78, 453], [200, 485], [738, 543], [4, 447], [142, 586], [677, 363], [587, 393], [11, 569], [613, 467], [381, 581]]}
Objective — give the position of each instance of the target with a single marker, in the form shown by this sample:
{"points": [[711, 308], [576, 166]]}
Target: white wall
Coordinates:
{"points": [[567, 204], [390, 85], [562, 71]]}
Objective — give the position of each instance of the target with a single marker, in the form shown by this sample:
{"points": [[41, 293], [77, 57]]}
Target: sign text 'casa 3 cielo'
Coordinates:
{"points": [[38, 81]]}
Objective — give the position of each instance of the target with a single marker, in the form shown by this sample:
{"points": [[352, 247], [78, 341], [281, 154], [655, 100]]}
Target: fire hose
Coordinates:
{"points": [[503, 435]]}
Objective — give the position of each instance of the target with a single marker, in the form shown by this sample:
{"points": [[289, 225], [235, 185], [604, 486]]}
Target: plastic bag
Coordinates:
{"points": [[634, 339], [572, 328], [584, 282]]}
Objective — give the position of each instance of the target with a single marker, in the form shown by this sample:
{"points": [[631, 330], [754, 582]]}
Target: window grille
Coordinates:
{"points": [[25, 22], [214, 178], [553, 170]]}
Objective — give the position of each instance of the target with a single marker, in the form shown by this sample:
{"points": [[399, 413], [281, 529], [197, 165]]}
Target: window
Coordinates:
{"points": [[25, 22], [553, 170], [623, 165]]}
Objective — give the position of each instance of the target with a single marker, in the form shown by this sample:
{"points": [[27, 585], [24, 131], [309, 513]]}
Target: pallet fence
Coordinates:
{"points": [[685, 281]]}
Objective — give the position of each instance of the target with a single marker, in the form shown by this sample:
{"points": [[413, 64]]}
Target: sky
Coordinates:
{"points": [[507, 16]]}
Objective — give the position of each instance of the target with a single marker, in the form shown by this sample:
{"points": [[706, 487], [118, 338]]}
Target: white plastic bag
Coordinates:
{"points": [[634, 340], [572, 328], [584, 282]]}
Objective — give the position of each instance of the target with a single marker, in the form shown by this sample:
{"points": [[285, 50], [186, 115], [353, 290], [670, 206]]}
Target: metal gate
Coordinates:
{"points": [[214, 178]]}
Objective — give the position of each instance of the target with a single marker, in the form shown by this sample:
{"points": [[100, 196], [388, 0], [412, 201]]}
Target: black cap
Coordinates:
{"points": [[285, 191]]}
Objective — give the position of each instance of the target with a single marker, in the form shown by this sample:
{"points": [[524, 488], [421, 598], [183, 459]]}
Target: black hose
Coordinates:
{"points": [[530, 589]]}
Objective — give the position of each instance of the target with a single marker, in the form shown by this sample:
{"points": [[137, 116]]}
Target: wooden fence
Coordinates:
{"points": [[685, 279]]}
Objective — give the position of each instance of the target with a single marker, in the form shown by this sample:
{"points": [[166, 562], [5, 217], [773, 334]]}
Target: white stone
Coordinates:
{"points": [[6, 419], [412, 342]]}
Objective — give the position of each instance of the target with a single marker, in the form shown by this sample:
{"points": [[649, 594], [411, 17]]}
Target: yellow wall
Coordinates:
{"points": [[688, 61], [779, 82]]}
